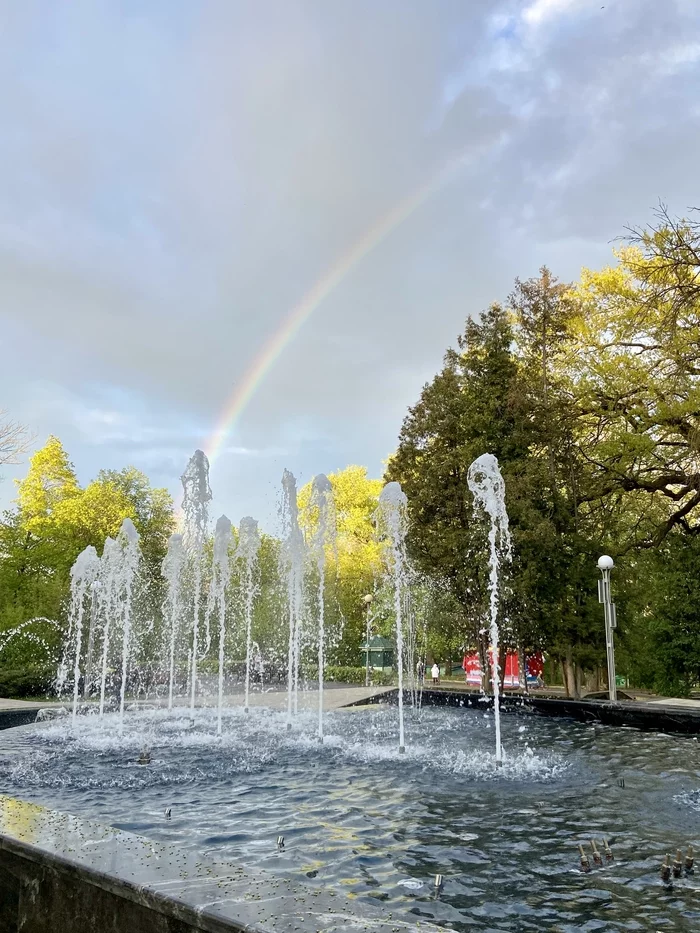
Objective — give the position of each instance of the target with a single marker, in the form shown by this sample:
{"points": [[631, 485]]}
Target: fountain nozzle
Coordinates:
{"points": [[677, 864], [438, 882], [689, 859], [666, 869], [144, 757], [168, 812], [596, 854], [585, 864], [608, 851], [402, 751], [280, 842]]}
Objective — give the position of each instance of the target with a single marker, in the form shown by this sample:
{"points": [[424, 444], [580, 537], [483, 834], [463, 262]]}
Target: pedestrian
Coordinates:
{"points": [[436, 674], [420, 671]]}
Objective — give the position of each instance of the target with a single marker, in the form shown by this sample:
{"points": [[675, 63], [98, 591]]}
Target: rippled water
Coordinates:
{"points": [[379, 826]]}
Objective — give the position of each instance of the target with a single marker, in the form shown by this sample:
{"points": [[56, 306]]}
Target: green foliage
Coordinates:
{"points": [[31, 680], [54, 520], [350, 675]]}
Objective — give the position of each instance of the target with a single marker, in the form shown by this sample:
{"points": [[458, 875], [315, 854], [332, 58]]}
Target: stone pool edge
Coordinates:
{"points": [[60, 872], [655, 717]]}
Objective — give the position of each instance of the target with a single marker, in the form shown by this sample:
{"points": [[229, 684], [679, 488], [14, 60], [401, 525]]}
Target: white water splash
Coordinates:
{"points": [[195, 506], [248, 547], [83, 575], [392, 511], [172, 570], [324, 538], [128, 545], [221, 572], [293, 570], [488, 489]]}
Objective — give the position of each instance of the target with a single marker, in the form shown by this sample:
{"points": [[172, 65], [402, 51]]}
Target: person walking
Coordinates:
{"points": [[436, 674]]}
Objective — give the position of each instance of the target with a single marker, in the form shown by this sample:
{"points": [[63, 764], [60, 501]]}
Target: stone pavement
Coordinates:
{"points": [[335, 697]]}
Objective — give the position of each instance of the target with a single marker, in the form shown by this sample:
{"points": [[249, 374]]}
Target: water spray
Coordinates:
{"points": [[488, 489]]}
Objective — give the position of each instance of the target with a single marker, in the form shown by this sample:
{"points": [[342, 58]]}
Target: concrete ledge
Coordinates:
{"points": [[652, 716], [21, 716], [61, 873]]}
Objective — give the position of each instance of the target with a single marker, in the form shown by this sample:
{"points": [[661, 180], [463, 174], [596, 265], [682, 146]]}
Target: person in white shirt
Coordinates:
{"points": [[436, 674]]}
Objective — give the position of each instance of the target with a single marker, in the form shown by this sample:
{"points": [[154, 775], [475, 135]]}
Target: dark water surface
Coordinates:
{"points": [[378, 826]]}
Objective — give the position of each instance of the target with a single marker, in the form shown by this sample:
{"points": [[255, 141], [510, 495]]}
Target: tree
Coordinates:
{"points": [[15, 439], [634, 366], [471, 407], [152, 510], [357, 555]]}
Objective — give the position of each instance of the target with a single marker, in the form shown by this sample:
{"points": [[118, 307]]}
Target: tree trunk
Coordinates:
{"points": [[484, 662], [570, 684], [522, 668]]}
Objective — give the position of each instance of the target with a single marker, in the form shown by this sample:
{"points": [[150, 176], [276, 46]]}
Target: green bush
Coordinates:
{"points": [[350, 675], [30, 681]]}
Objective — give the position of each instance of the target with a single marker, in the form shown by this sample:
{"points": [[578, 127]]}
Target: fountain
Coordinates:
{"points": [[221, 572], [346, 812], [292, 567], [195, 507], [392, 513], [83, 575], [248, 547], [323, 539], [488, 489], [172, 569]]}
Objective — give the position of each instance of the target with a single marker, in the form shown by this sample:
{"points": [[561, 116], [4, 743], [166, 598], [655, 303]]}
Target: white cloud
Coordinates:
{"points": [[539, 11]]}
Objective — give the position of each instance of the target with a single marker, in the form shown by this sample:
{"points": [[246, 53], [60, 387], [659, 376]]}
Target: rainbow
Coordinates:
{"points": [[302, 311]]}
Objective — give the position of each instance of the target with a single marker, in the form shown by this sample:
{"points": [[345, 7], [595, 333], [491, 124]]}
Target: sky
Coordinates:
{"points": [[178, 178]]}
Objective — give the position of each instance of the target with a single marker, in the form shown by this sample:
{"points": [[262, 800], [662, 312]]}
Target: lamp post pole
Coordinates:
{"points": [[605, 565], [367, 600]]}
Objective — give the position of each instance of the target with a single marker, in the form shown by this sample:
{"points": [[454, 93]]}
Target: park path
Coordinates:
{"points": [[333, 698]]}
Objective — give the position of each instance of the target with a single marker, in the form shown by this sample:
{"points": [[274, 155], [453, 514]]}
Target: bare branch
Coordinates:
{"points": [[15, 440]]}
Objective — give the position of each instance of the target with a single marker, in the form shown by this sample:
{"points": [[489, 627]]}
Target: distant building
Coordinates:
{"points": [[381, 653]]}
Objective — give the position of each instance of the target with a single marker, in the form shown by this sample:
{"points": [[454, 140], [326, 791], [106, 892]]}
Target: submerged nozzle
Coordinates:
{"points": [[689, 859], [596, 854], [585, 864], [608, 851], [144, 757], [438, 882], [280, 842], [677, 864], [168, 812], [666, 869]]}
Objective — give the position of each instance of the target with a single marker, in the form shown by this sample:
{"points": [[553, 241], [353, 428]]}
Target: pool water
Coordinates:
{"points": [[378, 826]]}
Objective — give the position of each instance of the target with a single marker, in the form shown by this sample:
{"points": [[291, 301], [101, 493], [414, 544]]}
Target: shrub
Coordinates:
{"points": [[350, 675], [32, 681]]}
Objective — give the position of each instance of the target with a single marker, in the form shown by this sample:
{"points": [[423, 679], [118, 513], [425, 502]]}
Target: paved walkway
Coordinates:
{"points": [[334, 697]]}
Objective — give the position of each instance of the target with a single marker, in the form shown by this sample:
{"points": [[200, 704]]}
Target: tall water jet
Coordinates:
{"points": [[195, 506], [248, 547], [293, 569], [108, 603], [323, 539], [221, 573], [392, 513], [128, 544], [83, 575], [172, 569], [488, 489]]}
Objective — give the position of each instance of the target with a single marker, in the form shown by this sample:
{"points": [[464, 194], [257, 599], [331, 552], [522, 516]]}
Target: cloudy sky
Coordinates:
{"points": [[175, 175]]}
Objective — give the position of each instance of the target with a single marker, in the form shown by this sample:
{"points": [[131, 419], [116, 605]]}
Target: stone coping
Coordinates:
{"points": [[654, 715], [216, 897]]}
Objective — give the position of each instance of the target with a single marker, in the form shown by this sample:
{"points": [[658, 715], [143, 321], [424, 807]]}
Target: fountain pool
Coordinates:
{"points": [[362, 819]]}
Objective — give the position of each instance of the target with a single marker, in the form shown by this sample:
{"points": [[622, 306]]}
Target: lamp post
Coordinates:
{"points": [[367, 600], [605, 565]]}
